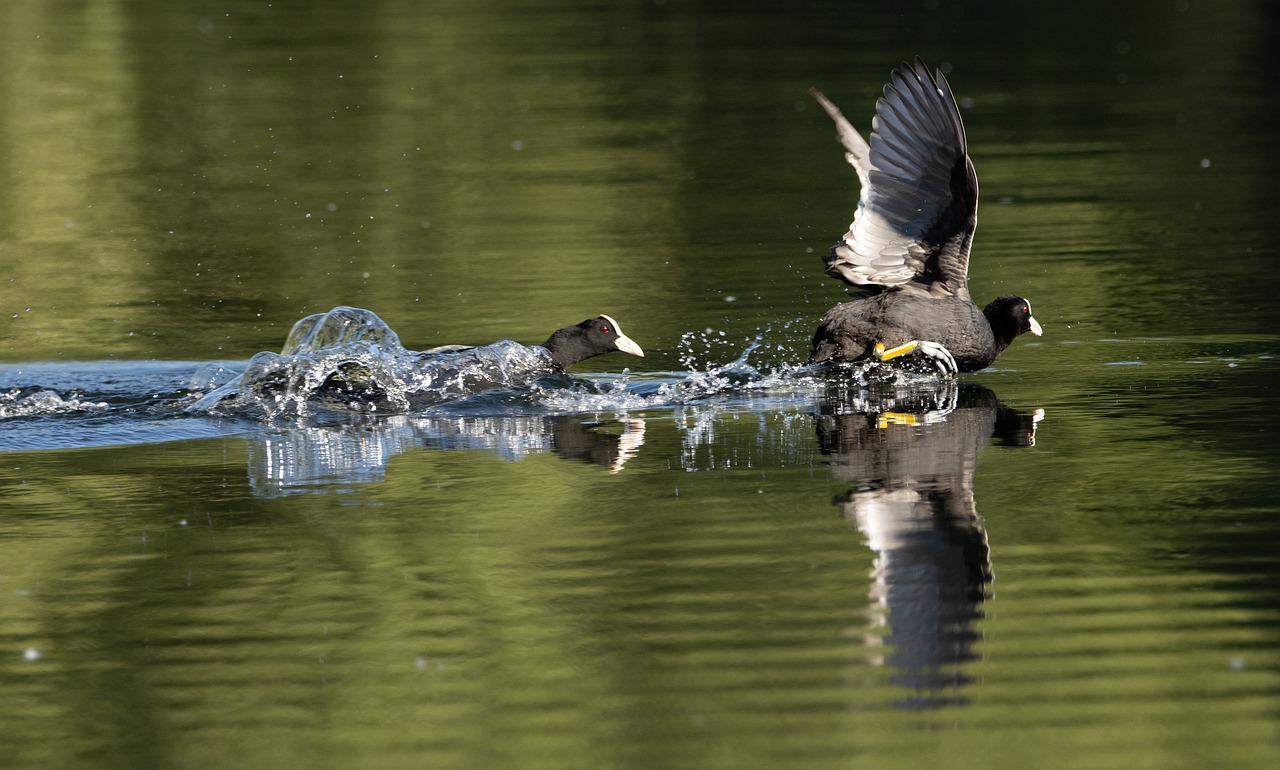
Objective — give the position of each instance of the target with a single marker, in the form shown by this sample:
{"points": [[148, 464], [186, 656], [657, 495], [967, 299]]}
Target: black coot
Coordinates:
{"points": [[565, 347], [453, 371], [908, 246], [473, 369]]}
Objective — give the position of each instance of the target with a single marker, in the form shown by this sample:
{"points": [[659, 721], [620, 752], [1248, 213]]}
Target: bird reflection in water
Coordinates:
{"points": [[352, 452], [910, 457]]}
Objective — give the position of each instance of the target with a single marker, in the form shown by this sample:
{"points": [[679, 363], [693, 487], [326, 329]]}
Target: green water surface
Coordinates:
{"points": [[184, 180]]}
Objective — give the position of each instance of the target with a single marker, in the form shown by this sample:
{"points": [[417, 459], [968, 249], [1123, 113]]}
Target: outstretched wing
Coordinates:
{"points": [[918, 208]]}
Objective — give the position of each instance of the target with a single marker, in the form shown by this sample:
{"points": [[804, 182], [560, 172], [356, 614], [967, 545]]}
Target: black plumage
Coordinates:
{"points": [[592, 337]]}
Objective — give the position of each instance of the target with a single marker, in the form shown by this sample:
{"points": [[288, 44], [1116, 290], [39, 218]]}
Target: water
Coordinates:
{"points": [[704, 558]]}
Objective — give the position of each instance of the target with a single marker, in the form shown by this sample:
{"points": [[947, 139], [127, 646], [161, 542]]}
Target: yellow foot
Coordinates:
{"points": [[938, 354], [901, 350], [886, 419]]}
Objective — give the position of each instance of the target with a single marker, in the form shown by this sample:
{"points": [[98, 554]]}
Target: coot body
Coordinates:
{"points": [[849, 331]]}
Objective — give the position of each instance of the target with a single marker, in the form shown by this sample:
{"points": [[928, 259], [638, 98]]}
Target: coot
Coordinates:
{"points": [[453, 371], [345, 325], [349, 359], [908, 246]]}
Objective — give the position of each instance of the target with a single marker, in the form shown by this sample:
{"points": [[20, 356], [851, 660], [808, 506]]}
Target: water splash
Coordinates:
{"points": [[31, 402], [349, 360]]}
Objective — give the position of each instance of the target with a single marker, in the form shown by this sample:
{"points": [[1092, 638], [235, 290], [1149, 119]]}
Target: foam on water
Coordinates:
{"points": [[349, 360], [29, 403]]}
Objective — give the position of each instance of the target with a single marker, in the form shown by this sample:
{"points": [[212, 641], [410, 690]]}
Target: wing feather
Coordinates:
{"points": [[917, 211]]}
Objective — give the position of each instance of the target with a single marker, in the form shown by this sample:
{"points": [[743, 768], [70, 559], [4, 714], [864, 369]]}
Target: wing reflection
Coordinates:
{"points": [[911, 460], [310, 458]]}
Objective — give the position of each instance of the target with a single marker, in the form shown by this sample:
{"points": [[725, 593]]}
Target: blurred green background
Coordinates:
{"points": [[183, 180]]}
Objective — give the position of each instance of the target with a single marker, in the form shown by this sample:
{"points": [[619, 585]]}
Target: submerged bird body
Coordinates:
{"points": [[346, 325], [452, 371], [908, 246]]}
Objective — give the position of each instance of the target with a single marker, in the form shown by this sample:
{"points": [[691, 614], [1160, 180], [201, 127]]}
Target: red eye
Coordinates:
{"points": [[604, 329]]}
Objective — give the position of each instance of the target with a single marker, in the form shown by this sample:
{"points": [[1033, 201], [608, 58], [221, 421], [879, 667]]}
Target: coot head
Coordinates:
{"points": [[592, 337], [1010, 316]]}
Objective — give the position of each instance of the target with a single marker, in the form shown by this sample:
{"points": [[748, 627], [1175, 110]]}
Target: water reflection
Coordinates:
{"points": [[299, 459], [910, 458]]}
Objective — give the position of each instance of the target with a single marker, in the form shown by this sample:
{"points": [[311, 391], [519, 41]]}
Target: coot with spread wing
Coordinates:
{"points": [[908, 246]]}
